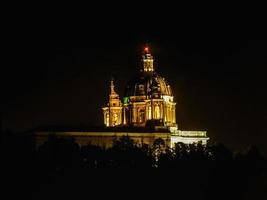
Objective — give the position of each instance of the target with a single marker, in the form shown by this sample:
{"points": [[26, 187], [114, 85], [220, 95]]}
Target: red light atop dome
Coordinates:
{"points": [[146, 50]]}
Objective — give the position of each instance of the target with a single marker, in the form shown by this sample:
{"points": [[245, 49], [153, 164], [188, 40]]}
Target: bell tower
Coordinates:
{"points": [[113, 111]]}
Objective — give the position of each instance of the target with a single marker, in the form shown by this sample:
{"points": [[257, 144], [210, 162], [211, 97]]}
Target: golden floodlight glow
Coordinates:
{"points": [[148, 103]]}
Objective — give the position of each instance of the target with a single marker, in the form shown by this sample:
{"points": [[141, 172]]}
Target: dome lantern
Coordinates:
{"points": [[147, 60]]}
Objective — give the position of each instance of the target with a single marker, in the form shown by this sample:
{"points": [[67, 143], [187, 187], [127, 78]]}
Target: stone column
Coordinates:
{"points": [[124, 115], [134, 114], [165, 113], [152, 109], [174, 114], [161, 110]]}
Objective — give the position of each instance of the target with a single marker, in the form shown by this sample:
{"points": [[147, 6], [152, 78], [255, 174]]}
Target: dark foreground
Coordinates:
{"points": [[60, 169]]}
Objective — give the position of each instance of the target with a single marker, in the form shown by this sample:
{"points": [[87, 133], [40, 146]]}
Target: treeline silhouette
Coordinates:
{"points": [[60, 168]]}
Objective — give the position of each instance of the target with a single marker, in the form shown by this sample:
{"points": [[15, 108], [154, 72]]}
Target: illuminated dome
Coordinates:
{"points": [[146, 84], [148, 100]]}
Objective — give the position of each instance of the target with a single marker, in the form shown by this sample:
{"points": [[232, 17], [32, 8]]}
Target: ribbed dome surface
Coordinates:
{"points": [[147, 83]]}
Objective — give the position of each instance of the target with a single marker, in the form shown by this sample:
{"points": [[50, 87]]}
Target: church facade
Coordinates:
{"points": [[146, 112]]}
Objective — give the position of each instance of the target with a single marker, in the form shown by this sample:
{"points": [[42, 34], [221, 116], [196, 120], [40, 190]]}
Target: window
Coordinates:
{"points": [[149, 112], [141, 116], [107, 119], [157, 112]]}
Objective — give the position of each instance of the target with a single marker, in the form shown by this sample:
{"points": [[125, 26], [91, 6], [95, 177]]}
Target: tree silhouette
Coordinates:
{"points": [[211, 172]]}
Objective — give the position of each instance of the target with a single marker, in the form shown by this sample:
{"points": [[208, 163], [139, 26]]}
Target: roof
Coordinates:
{"points": [[145, 83], [99, 129]]}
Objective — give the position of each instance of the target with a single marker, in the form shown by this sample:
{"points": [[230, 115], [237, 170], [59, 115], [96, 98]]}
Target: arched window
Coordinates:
{"points": [[141, 116], [107, 119], [149, 112], [115, 119]]}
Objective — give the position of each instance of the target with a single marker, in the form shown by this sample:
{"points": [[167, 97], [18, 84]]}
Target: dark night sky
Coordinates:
{"points": [[58, 71]]}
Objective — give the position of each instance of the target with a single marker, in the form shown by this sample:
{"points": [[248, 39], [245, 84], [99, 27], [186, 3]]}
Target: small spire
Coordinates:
{"points": [[112, 91]]}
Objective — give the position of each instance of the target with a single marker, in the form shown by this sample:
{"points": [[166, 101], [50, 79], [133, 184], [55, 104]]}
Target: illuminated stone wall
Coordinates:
{"points": [[139, 112], [188, 137], [103, 139]]}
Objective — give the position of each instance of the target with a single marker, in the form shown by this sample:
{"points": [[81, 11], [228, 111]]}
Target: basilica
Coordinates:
{"points": [[148, 100], [147, 111]]}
